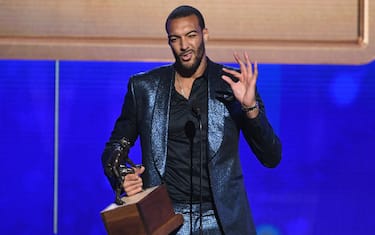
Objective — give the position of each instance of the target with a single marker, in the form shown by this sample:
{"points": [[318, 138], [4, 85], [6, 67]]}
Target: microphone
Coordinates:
{"points": [[190, 130]]}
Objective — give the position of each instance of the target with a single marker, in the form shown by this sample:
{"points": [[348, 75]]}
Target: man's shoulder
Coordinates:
{"points": [[155, 72], [213, 64]]}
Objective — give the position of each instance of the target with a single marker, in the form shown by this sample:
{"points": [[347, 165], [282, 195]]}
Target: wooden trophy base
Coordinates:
{"points": [[147, 213]]}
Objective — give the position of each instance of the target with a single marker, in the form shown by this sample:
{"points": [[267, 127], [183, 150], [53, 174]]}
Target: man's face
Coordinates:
{"points": [[186, 40]]}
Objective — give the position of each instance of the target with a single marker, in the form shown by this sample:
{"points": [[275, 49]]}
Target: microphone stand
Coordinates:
{"points": [[197, 111], [190, 133]]}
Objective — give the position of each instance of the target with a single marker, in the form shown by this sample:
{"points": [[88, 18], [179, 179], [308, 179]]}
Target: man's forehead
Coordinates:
{"points": [[183, 25]]}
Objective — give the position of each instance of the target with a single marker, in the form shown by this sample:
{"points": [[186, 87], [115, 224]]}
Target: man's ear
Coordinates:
{"points": [[205, 34]]}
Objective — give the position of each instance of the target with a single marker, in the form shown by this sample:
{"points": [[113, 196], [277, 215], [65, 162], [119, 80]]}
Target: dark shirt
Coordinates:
{"points": [[184, 145]]}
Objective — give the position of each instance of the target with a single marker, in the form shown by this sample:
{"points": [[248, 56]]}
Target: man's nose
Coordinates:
{"points": [[184, 44]]}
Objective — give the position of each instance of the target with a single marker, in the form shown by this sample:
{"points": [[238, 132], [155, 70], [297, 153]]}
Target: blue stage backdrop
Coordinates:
{"points": [[323, 115]]}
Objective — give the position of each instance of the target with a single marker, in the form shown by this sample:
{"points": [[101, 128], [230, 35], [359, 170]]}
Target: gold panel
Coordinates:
{"points": [[289, 31]]}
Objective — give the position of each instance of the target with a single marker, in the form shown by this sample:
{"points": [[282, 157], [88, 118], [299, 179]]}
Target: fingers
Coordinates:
{"points": [[249, 68], [246, 68], [243, 66], [227, 78], [255, 70], [133, 182]]}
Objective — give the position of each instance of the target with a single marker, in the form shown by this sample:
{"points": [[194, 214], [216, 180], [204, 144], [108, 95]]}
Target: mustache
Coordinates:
{"points": [[185, 52]]}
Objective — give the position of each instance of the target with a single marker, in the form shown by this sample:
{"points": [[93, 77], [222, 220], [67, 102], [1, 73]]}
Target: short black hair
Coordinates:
{"points": [[184, 11]]}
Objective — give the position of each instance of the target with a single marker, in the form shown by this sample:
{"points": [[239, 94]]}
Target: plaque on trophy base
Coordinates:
{"points": [[147, 213]]}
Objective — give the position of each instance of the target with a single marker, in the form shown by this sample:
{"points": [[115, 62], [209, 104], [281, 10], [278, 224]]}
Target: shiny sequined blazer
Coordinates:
{"points": [[145, 114]]}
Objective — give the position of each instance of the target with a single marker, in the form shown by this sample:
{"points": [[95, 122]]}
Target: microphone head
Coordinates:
{"points": [[190, 130]]}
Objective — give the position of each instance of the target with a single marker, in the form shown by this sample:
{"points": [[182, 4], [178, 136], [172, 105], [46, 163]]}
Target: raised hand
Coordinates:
{"points": [[244, 89]]}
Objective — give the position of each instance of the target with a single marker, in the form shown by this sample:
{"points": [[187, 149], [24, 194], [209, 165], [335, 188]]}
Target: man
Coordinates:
{"points": [[188, 116]]}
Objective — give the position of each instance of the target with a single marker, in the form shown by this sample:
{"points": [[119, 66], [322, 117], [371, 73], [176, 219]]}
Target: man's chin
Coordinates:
{"points": [[187, 68], [186, 63], [186, 71]]}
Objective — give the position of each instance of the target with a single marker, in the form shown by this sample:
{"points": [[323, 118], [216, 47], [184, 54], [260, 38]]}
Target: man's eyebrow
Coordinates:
{"points": [[173, 35], [192, 31]]}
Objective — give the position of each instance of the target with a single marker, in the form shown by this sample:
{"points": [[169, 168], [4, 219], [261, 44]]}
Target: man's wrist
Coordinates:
{"points": [[253, 108]]}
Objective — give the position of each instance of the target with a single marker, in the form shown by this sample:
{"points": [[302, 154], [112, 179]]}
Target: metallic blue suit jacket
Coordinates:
{"points": [[145, 113]]}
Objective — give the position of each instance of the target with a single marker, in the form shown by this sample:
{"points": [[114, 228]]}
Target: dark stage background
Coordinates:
{"points": [[323, 115]]}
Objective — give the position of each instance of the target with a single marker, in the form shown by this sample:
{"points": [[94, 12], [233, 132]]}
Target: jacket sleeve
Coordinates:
{"points": [[260, 135], [125, 126]]}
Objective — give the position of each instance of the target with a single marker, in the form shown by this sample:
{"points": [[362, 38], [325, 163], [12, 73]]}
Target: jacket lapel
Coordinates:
{"points": [[216, 109], [160, 120]]}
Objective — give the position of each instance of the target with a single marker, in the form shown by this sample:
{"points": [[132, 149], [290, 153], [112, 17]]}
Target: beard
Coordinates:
{"points": [[187, 70]]}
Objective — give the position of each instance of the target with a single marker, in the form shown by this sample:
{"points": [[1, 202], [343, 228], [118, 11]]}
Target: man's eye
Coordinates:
{"points": [[192, 35], [172, 39]]}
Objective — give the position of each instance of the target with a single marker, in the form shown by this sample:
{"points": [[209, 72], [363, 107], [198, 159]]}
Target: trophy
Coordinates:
{"points": [[118, 166], [149, 212]]}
